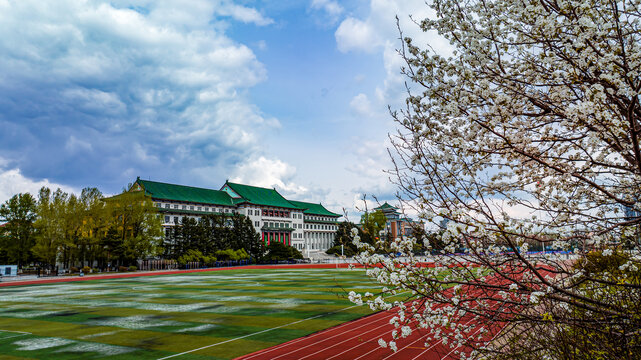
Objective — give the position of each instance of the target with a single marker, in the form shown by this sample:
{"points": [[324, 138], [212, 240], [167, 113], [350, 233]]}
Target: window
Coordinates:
{"points": [[166, 219], [166, 206], [175, 206], [206, 208], [200, 208], [175, 219], [191, 207], [257, 223], [184, 207], [250, 212]]}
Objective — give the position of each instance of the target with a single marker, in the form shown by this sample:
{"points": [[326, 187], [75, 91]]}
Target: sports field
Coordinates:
{"points": [[226, 313]]}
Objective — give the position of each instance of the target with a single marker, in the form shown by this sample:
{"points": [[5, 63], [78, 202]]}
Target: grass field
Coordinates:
{"points": [[158, 316]]}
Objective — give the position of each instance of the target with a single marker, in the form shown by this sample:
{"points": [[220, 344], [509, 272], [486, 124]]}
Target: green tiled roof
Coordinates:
{"points": [[386, 206], [260, 196], [158, 190], [314, 209]]}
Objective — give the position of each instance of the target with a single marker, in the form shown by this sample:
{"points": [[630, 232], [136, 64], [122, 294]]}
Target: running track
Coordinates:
{"points": [[358, 339], [354, 340]]}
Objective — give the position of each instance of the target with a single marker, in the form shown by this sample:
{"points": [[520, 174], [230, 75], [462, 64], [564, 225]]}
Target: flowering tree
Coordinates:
{"points": [[527, 136]]}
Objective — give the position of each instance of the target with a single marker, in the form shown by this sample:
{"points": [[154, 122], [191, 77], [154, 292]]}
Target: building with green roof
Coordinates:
{"points": [[307, 226], [396, 225]]}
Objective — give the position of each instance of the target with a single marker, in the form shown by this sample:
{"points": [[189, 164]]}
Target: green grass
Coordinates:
{"points": [[157, 316]]}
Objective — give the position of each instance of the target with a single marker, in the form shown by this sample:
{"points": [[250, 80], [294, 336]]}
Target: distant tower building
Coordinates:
{"points": [[395, 225]]}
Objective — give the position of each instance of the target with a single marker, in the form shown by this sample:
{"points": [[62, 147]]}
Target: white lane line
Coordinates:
{"points": [[448, 354], [336, 344], [322, 332], [386, 319], [256, 333], [319, 333], [20, 333]]}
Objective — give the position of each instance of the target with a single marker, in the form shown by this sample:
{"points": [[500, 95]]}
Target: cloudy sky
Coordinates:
{"points": [[291, 94]]}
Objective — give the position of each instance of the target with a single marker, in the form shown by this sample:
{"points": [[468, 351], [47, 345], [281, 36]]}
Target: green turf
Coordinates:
{"points": [[157, 316]]}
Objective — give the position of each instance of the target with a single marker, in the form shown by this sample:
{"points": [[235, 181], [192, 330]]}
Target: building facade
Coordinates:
{"points": [[396, 226], [306, 226]]}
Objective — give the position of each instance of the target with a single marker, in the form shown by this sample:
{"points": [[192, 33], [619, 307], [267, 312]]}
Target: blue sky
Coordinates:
{"points": [[286, 94]]}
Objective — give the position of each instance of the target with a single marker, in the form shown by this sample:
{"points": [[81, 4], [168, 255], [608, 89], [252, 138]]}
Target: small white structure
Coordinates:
{"points": [[8, 270]]}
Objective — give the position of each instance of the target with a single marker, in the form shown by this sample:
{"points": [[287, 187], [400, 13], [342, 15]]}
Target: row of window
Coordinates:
{"points": [[177, 220], [276, 225], [319, 218], [320, 227], [196, 208]]}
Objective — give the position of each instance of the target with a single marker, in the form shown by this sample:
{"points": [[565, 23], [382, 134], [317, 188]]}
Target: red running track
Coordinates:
{"points": [[358, 339]]}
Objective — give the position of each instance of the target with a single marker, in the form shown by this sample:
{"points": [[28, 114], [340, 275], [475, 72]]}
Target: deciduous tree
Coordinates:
{"points": [[528, 132], [18, 214]]}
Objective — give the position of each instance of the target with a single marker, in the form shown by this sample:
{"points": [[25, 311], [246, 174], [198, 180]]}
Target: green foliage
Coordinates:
{"points": [[230, 254], [347, 251], [277, 251], [86, 269], [122, 268], [18, 234], [371, 225], [138, 227], [344, 235], [193, 255], [133, 268], [227, 237]]}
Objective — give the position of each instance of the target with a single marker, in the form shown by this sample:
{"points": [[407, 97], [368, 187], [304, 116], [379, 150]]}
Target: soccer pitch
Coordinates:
{"points": [[229, 313]]}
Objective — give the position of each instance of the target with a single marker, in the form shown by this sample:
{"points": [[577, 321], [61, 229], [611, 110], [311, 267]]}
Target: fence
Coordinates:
{"points": [[157, 264]]}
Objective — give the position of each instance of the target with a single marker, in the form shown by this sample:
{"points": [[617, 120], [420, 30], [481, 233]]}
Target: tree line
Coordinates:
{"points": [[218, 237], [60, 228], [86, 230]]}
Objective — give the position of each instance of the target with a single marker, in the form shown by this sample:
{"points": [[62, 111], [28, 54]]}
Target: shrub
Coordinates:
{"points": [[133, 268], [95, 270], [86, 269], [122, 268], [347, 251], [73, 269]]}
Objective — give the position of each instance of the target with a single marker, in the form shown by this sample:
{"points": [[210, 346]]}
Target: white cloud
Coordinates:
{"points": [[265, 172], [12, 182], [96, 87], [332, 8], [244, 14], [354, 34], [361, 105], [377, 32]]}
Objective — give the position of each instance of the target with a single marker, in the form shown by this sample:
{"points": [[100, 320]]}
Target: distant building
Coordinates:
{"points": [[305, 226], [396, 226]]}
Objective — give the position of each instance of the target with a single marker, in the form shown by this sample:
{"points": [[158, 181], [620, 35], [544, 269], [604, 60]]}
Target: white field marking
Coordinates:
{"points": [[493, 337], [419, 339], [448, 354], [340, 334], [256, 333], [389, 316], [361, 344], [319, 333], [20, 333], [415, 341]]}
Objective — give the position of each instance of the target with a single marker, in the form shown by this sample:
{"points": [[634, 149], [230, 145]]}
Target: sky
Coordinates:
{"points": [[286, 94]]}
